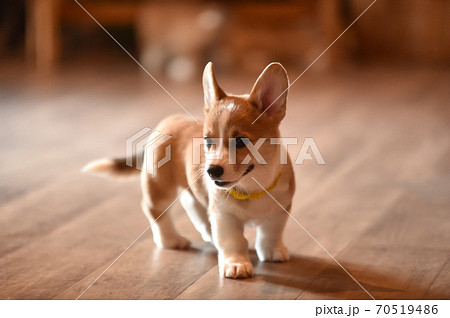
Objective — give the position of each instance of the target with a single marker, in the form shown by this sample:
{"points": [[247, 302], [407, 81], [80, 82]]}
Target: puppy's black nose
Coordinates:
{"points": [[215, 171]]}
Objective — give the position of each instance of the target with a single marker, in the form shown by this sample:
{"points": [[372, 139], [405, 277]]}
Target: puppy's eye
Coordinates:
{"points": [[241, 142], [208, 142]]}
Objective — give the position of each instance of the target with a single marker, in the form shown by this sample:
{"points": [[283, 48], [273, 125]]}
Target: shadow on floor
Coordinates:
{"points": [[326, 279]]}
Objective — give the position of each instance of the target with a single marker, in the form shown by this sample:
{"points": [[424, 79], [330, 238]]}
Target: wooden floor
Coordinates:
{"points": [[380, 205]]}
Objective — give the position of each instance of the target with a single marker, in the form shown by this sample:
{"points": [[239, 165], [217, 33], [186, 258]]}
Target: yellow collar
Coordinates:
{"points": [[255, 195]]}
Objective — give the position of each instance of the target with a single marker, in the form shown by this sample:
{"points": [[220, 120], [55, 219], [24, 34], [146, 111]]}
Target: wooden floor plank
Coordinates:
{"points": [[393, 263], [58, 260], [146, 272], [439, 288], [380, 205]]}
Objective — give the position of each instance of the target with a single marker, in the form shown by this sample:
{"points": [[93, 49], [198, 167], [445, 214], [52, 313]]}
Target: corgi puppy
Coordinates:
{"points": [[220, 195]]}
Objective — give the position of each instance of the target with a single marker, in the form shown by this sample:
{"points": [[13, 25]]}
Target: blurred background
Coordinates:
{"points": [[175, 39], [376, 104]]}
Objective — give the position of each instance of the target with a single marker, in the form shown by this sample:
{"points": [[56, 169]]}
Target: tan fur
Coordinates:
{"points": [[111, 168], [216, 215]]}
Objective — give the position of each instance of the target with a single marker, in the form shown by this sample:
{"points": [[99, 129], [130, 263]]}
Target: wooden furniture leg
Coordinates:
{"points": [[43, 33]]}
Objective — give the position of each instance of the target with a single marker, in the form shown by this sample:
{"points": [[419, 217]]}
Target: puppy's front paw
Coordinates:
{"points": [[236, 269], [173, 242], [277, 254]]}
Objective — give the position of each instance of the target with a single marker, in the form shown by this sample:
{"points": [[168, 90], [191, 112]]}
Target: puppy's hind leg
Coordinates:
{"points": [[198, 215], [155, 203]]}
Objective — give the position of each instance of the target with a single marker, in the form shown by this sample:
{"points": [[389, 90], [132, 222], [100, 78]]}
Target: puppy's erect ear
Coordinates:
{"points": [[211, 90], [270, 91]]}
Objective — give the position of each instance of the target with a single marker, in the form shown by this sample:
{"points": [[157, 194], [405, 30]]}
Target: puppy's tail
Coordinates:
{"points": [[112, 168]]}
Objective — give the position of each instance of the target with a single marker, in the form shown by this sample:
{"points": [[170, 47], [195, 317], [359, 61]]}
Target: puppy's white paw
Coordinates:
{"points": [[236, 269], [277, 254], [173, 242]]}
